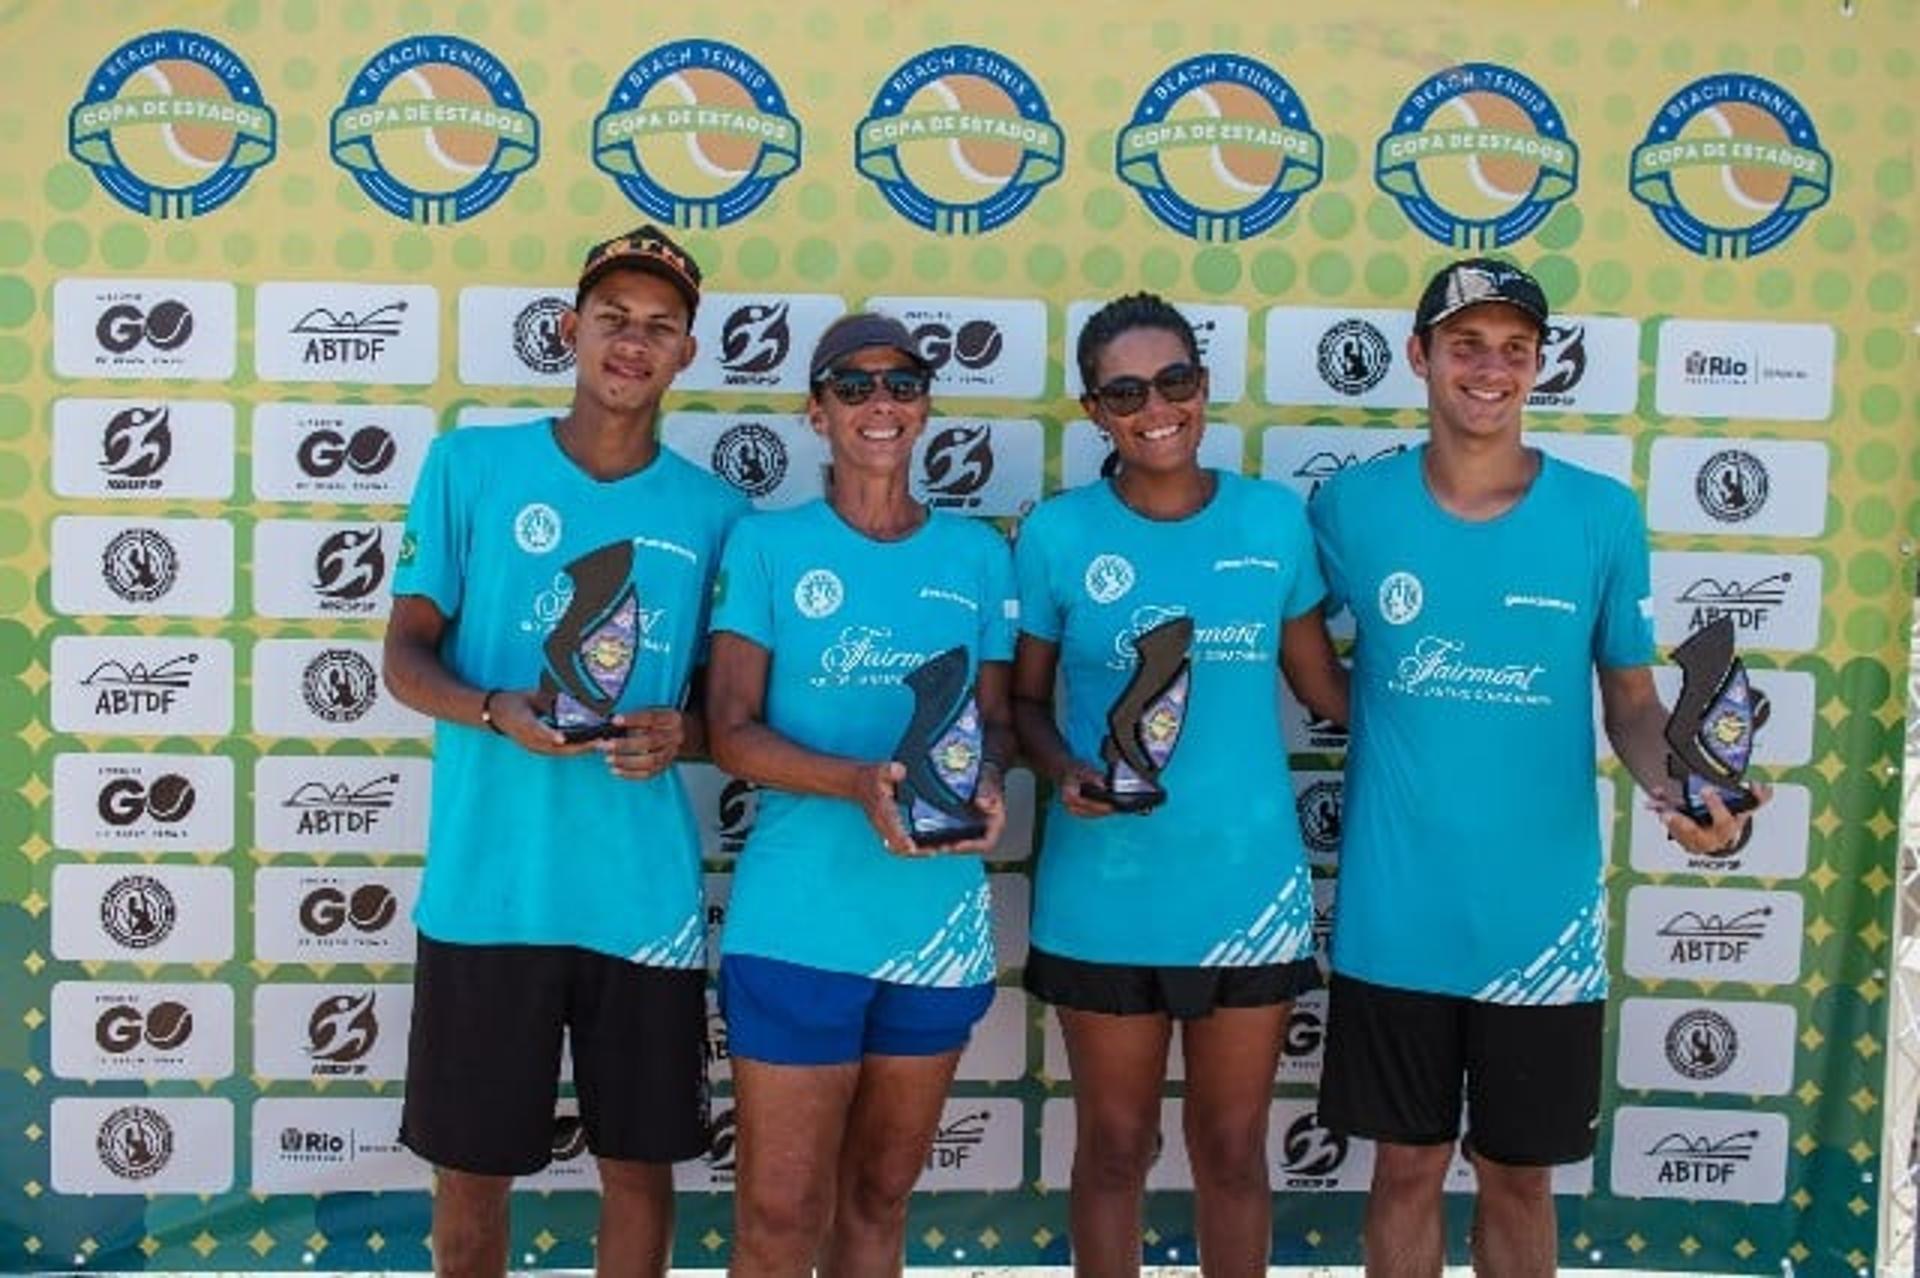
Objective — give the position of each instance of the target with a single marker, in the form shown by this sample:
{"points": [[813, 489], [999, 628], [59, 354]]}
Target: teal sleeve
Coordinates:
{"points": [[1297, 551], [1039, 609], [433, 550], [1623, 635], [1324, 513], [999, 600], [743, 592]]}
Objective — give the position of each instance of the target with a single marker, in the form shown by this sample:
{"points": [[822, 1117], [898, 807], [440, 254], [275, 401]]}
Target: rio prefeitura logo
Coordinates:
{"points": [[172, 125], [434, 129]]}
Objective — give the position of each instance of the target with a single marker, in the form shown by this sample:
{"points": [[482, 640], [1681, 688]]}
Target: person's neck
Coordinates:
{"points": [[1164, 494], [608, 445], [878, 506], [1478, 478]]}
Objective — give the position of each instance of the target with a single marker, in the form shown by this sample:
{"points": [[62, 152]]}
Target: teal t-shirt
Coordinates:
{"points": [[524, 849], [844, 619], [1470, 854], [1216, 876]]}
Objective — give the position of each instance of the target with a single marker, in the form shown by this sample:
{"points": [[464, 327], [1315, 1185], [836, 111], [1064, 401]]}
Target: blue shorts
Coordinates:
{"points": [[790, 1014]]}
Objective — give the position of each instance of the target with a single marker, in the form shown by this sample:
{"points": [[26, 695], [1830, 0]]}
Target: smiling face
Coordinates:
{"points": [[1161, 435], [1479, 366], [631, 337], [877, 435]]}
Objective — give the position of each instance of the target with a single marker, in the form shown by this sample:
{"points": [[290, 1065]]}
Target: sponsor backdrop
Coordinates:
{"points": [[254, 256]]}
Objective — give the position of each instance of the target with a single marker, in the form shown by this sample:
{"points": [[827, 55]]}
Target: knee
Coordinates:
{"points": [[1228, 1154], [1411, 1171], [876, 1193], [1503, 1185], [469, 1222], [1115, 1154], [789, 1212]]}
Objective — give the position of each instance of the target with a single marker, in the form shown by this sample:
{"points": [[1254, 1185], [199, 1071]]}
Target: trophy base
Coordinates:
{"points": [[946, 836], [575, 733], [1737, 801], [1133, 802]]}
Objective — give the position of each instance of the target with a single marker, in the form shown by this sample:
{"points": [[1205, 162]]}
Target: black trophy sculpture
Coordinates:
{"points": [[1710, 732], [941, 752], [591, 649], [1144, 723]]}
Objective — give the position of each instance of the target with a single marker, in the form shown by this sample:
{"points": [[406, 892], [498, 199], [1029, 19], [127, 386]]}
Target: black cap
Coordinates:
{"points": [[646, 249], [857, 332], [1473, 281]]}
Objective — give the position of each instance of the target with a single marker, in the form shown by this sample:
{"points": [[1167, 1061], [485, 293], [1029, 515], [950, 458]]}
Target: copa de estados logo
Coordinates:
{"points": [[434, 129], [1477, 156], [172, 124], [959, 140], [1731, 166], [1219, 148], [696, 133]]}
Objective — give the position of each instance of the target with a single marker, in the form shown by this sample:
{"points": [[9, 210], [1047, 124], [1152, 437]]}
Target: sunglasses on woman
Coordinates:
{"points": [[854, 386], [1124, 396]]}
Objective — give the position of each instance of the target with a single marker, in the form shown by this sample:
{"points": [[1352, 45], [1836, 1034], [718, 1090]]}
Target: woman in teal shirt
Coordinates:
{"points": [[1201, 910], [857, 954]]}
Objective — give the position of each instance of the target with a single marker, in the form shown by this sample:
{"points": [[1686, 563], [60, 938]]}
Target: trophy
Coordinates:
{"points": [[1710, 732], [1144, 722], [591, 649], [940, 750]]}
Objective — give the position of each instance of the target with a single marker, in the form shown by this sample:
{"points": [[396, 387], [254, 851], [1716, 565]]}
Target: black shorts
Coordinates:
{"points": [[1396, 1059], [1184, 993], [483, 1056]]}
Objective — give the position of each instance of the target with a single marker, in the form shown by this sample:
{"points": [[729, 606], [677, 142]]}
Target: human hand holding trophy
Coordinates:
{"points": [[1144, 722], [944, 791], [1709, 739]]}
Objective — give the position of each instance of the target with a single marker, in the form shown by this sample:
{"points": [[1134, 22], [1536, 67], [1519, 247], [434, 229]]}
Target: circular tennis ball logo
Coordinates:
{"points": [[1731, 166], [959, 140], [1219, 148], [1477, 157], [696, 133], [434, 129], [172, 125]]}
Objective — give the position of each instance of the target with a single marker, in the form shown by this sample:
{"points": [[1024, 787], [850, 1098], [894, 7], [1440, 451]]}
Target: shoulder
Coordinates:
{"points": [[1062, 510], [1260, 498], [967, 534], [702, 487], [1600, 499]]}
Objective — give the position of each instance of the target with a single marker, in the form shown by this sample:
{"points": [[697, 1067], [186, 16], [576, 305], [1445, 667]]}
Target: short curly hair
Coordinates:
{"points": [[1135, 310]]}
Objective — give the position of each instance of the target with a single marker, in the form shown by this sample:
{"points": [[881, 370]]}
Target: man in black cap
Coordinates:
{"points": [[1488, 583], [549, 611]]}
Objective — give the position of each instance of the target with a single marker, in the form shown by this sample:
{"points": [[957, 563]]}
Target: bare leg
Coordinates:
{"points": [[469, 1224], [1513, 1224], [636, 1219], [896, 1111], [789, 1120], [1232, 1056], [1119, 1064], [1405, 1232]]}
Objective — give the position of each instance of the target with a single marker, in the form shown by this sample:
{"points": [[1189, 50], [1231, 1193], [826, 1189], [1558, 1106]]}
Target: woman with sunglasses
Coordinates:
{"points": [[1200, 911], [858, 950]]}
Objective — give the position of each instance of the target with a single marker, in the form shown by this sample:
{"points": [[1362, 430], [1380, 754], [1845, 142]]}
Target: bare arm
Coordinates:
{"points": [[1312, 668], [418, 678], [1035, 664], [1636, 727], [743, 744]]}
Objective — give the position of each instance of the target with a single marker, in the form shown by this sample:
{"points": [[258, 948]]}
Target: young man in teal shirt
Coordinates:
{"points": [[554, 579], [1489, 583]]}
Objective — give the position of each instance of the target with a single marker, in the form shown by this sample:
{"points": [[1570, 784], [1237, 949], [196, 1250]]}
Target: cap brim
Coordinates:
{"points": [[644, 265], [1440, 317]]}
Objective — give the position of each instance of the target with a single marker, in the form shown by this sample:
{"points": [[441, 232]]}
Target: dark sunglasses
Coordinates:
{"points": [[853, 386], [1124, 396]]}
